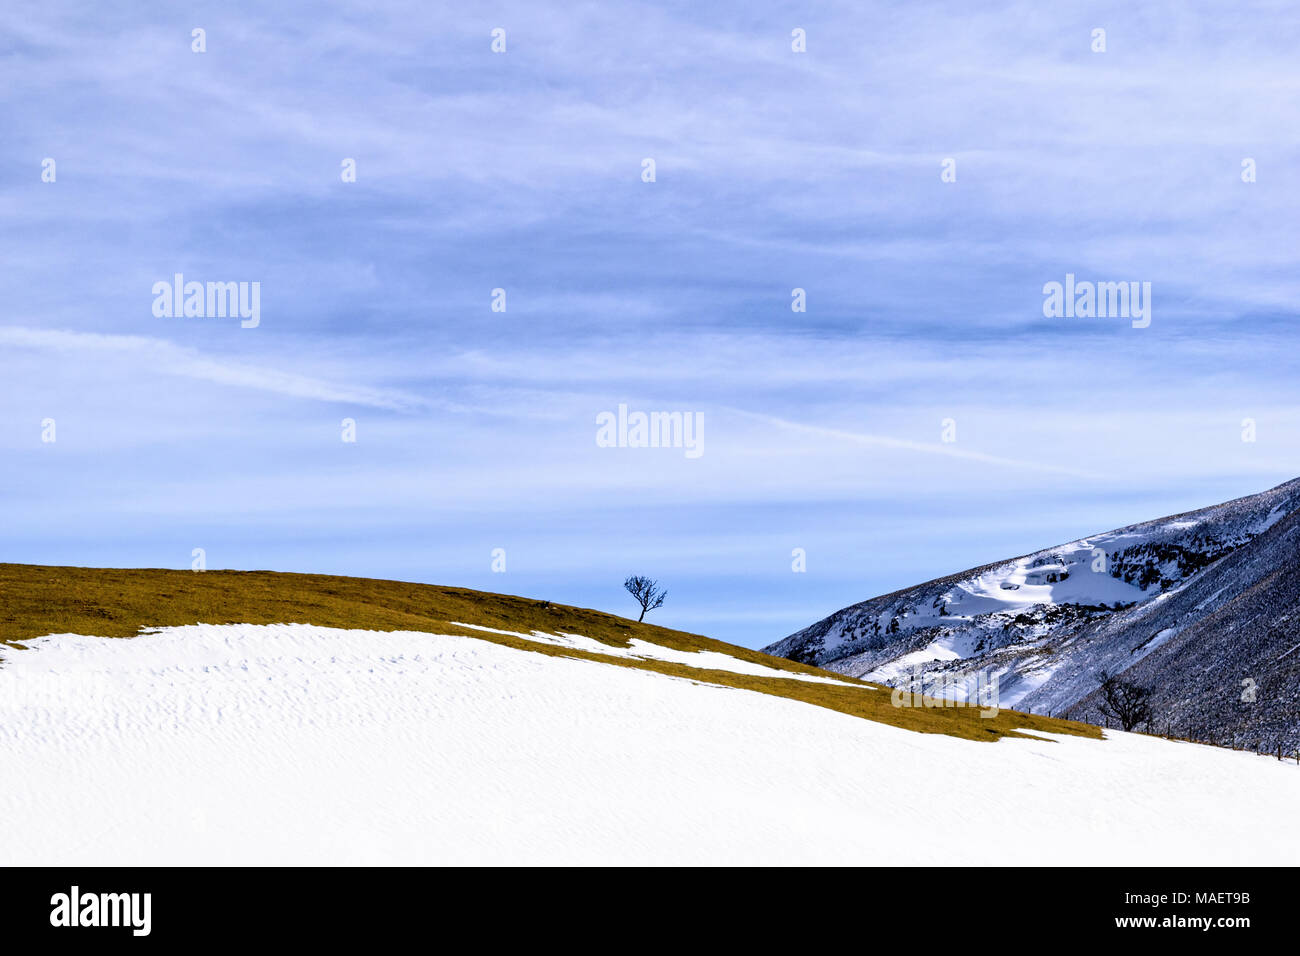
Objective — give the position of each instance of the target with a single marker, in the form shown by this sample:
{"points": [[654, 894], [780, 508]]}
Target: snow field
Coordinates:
{"points": [[306, 745]]}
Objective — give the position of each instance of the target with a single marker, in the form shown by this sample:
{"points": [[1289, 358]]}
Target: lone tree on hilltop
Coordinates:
{"points": [[647, 593], [1124, 701]]}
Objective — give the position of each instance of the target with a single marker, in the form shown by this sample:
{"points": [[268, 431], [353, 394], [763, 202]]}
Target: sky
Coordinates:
{"points": [[919, 170]]}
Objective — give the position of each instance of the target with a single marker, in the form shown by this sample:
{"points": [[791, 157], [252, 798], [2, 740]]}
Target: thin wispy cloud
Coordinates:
{"points": [[161, 357], [925, 448]]}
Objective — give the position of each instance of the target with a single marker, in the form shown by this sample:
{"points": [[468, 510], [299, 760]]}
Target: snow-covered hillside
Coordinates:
{"points": [[1048, 622], [299, 744]]}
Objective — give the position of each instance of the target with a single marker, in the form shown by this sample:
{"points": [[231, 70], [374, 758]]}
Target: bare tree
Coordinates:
{"points": [[1124, 701], [647, 593]]}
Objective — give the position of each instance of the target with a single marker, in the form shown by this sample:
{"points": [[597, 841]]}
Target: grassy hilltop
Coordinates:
{"points": [[38, 600]]}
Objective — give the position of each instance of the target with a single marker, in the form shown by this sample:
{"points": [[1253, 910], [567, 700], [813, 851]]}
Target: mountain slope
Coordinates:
{"points": [[1221, 655], [1204, 592]]}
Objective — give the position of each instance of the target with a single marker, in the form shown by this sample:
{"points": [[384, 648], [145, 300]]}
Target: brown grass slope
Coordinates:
{"points": [[38, 600]]}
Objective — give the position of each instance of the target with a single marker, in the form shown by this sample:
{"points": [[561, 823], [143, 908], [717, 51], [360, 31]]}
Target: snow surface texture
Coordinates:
{"points": [[1191, 605], [293, 744]]}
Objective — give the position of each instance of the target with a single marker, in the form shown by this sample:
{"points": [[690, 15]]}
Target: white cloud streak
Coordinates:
{"points": [[167, 358]]}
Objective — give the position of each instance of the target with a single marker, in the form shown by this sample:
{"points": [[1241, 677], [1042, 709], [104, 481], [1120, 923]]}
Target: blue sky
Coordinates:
{"points": [[774, 170]]}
